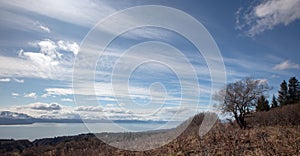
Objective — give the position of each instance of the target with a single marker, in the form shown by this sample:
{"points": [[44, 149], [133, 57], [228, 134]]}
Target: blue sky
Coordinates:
{"points": [[39, 43]]}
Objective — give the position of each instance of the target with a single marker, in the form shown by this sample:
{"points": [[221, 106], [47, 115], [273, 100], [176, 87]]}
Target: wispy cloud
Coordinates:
{"points": [[266, 15], [245, 65], [44, 28], [57, 91], [286, 65], [19, 22], [84, 13], [31, 95], [49, 62], [67, 100], [11, 79], [18, 80]]}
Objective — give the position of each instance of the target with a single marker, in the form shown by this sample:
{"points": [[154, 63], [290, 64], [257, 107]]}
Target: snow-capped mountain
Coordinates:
{"points": [[14, 118], [14, 115]]}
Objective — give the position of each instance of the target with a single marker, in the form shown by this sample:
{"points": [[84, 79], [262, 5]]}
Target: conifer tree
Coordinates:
{"points": [[262, 104], [274, 102], [293, 90], [282, 93]]}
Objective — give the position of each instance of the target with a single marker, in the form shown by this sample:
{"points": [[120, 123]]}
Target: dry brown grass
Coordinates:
{"points": [[273, 133], [221, 140], [283, 116]]}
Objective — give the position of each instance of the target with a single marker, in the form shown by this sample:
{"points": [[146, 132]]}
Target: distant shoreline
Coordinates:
{"points": [[5, 121]]}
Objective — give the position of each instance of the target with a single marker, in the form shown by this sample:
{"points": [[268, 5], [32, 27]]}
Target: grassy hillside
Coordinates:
{"points": [[283, 116], [276, 132]]}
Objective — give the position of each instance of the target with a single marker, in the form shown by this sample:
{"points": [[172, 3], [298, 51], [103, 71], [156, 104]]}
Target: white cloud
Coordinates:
{"points": [[89, 108], [274, 76], [15, 94], [110, 105], [68, 46], [30, 95], [67, 100], [44, 106], [286, 65], [48, 47], [53, 50], [25, 67], [5, 80], [263, 81], [121, 104], [267, 15], [48, 110], [40, 59], [49, 56], [51, 61], [116, 110]]}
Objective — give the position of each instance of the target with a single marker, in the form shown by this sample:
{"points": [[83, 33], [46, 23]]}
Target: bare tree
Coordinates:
{"points": [[240, 97]]}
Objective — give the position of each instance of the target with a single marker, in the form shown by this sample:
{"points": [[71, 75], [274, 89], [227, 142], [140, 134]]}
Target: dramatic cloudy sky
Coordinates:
{"points": [[40, 40]]}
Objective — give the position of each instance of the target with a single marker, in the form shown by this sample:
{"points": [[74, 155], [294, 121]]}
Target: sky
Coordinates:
{"points": [[146, 73]]}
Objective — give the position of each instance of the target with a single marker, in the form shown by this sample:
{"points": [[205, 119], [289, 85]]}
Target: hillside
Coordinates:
{"points": [[266, 137]]}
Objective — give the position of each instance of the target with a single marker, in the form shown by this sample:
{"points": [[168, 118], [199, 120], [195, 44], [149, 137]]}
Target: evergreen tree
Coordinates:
{"points": [[293, 90], [262, 104], [282, 93], [274, 102]]}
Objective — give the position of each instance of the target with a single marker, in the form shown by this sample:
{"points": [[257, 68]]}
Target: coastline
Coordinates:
{"points": [[5, 121]]}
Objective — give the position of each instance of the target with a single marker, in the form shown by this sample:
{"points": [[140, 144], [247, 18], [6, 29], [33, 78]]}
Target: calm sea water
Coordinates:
{"points": [[50, 130]]}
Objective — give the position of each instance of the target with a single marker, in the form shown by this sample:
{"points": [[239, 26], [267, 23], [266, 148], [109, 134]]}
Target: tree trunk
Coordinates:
{"points": [[243, 123], [240, 121]]}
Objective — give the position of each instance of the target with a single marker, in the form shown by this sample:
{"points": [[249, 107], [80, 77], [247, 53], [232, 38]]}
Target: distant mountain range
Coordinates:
{"points": [[14, 115], [14, 118]]}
